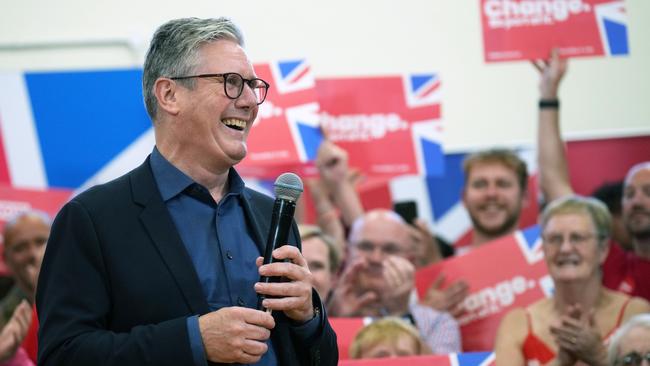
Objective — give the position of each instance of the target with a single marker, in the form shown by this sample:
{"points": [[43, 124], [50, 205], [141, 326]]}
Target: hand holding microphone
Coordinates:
{"points": [[293, 296]]}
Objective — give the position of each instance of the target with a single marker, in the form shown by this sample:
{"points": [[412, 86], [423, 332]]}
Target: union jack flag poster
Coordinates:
{"points": [[530, 29], [389, 125], [286, 133]]}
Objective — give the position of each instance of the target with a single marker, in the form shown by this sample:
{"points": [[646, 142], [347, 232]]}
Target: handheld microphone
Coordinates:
{"points": [[288, 188]]}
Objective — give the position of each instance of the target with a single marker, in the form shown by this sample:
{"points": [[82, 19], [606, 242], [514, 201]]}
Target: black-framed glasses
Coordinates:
{"points": [[632, 358], [233, 84]]}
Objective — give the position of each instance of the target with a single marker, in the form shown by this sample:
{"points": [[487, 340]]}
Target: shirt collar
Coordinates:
{"points": [[171, 181]]}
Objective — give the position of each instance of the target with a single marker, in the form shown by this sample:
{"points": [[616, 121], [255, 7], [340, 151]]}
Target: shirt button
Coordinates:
{"points": [[241, 302], [228, 254]]}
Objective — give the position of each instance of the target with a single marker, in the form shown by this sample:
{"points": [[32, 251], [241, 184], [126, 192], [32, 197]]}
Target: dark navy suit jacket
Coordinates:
{"points": [[117, 285]]}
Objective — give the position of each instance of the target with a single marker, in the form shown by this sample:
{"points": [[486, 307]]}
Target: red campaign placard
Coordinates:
{"points": [[507, 273], [13, 201], [286, 132], [389, 125], [346, 329], [435, 360], [530, 29]]}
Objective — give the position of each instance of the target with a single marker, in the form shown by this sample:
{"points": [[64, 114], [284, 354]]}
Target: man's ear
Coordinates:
{"points": [[166, 91]]}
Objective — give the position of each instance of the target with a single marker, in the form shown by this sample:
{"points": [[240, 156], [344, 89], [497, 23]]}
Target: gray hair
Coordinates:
{"points": [[596, 210], [13, 220], [174, 51], [645, 165], [637, 321]]}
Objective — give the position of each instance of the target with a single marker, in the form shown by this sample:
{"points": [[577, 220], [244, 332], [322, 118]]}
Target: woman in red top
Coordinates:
{"points": [[570, 327]]}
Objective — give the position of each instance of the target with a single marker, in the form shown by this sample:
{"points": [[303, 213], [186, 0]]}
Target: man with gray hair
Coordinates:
{"points": [[25, 236], [379, 280], [161, 266]]}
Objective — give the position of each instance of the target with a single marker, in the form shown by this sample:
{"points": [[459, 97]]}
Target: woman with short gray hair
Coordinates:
{"points": [[571, 326]]}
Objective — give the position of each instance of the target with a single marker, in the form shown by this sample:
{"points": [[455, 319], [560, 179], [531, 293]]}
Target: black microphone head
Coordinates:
{"points": [[288, 186]]}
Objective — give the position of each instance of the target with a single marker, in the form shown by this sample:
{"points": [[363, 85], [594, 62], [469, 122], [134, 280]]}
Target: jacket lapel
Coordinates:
{"points": [[161, 229]]}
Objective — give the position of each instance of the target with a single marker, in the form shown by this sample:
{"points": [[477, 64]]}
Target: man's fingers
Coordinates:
{"points": [[291, 253], [256, 317], [284, 303], [288, 270], [437, 283], [256, 332], [282, 289], [22, 317], [367, 298], [254, 348]]}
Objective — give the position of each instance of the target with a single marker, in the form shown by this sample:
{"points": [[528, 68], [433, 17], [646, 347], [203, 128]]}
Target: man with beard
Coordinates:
{"points": [[494, 193], [629, 271], [636, 208], [379, 280]]}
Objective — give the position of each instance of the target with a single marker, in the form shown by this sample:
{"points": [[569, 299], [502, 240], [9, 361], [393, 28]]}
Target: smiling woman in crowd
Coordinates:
{"points": [[574, 324]]}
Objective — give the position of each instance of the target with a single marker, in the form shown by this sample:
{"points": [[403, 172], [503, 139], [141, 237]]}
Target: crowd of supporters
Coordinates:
{"points": [[364, 261]]}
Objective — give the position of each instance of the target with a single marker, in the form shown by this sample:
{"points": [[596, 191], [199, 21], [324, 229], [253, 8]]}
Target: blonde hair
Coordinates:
{"points": [[389, 330], [505, 157]]}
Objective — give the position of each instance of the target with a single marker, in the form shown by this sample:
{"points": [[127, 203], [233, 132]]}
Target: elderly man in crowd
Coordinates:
{"points": [[25, 236], [379, 280]]}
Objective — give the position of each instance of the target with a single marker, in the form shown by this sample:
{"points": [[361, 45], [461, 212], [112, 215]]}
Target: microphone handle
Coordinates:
{"points": [[281, 220]]}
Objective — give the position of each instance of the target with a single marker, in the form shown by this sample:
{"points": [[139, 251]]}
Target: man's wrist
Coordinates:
{"points": [[549, 103]]}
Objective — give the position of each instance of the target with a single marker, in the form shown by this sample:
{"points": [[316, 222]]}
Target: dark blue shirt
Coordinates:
{"points": [[218, 241]]}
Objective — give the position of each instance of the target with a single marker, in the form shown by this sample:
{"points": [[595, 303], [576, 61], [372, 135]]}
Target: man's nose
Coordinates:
{"points": [[35, 252], [247, 99], [377, 255]]}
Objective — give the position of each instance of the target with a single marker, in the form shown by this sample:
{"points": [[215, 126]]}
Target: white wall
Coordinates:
{"points": [[483, 104]]}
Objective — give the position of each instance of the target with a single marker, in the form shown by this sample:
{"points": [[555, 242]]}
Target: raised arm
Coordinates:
{"points": [[332, 163], [552, 159]]}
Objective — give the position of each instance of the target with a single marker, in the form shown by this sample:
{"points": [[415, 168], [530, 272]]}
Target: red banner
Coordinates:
{"points": [[507, 273], [389, 125], [286, 132], [529, 29]]}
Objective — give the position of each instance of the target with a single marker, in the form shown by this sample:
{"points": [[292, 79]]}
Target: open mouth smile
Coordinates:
{"points": [[235, 124]]}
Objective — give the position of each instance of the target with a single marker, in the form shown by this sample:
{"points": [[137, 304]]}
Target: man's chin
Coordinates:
{"points": [[494, 230]]}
